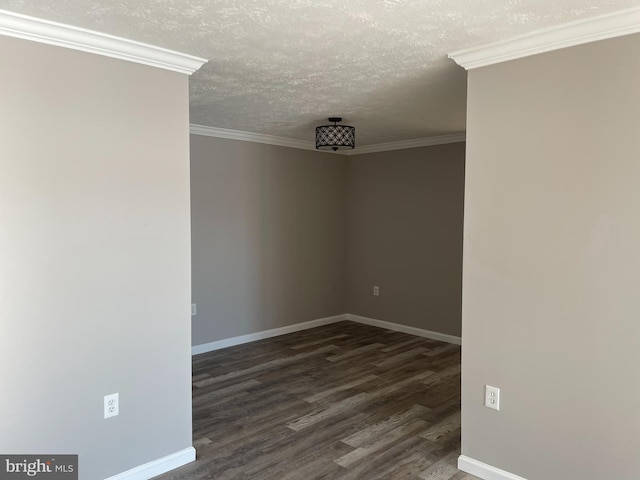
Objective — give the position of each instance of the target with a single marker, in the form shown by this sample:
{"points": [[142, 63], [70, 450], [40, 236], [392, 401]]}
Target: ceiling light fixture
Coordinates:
{"points": [[335, 137]]}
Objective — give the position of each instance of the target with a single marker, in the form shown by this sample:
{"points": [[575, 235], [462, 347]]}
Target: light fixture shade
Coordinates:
{"points": [[335, 137]]}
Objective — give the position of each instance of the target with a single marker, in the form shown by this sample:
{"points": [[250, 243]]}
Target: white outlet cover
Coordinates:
{"points": [[194, 310], [111, 405], [492, 397]]}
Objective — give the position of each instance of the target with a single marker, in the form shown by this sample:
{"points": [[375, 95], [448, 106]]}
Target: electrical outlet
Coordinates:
{"points": [[492, 397], [376, 290], [194, 310], [111, 405]]}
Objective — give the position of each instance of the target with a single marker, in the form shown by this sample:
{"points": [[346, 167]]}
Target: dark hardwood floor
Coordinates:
{"points": [[345, 401]]}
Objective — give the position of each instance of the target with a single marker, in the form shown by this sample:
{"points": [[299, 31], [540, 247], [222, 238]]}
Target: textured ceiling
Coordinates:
{"points": [[281, 67]]}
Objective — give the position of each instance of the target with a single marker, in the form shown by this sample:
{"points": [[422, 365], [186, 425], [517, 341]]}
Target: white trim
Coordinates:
{"points": [[418, 142], [304, 145], [53, 33], [158, 467], [484, 471], [570, 34], [443, 337], [274, 332], [249, 137], [252, 337]]}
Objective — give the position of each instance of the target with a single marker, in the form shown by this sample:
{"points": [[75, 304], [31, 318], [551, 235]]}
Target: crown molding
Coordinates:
{"points": [[290, 142], [418, 142], [570, 34], [61, 35], [250, 137]]}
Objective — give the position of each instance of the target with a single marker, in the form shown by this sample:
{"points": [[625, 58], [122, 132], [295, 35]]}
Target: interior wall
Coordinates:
{"points": [[269, 236], [405, 215], [94, 257], [552, 265]]}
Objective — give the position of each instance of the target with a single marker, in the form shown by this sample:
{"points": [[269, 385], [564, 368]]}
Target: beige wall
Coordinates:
{"points": [[94, 257], [552, 264], [405, 236], [269, 236]]}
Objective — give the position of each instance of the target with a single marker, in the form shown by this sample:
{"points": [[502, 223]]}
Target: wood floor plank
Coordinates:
{"points": [[443, 469], [355, 352], [398, 386], [263, 366], [208, 397], [340, 388], [343, 401], [376, 430], [387, 464], [200, 442], [400, 357], [440, 429], [382, 442], [313, 343], [406, 343], [300, 444], [321, 413]]}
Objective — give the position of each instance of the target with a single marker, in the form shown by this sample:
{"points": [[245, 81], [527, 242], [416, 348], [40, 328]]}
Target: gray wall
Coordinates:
{"points": [[269, 236], [552, 264], [405, 235], [94, 257]]}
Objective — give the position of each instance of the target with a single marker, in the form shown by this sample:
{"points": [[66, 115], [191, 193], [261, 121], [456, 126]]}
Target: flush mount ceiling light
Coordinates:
{"points": [[335, 137]]}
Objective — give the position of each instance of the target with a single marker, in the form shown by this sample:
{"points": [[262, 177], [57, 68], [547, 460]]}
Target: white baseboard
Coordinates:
{"points": [[158, 467], [443, 337], [252, 337], [484, 471]]}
